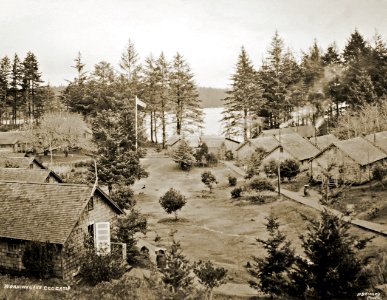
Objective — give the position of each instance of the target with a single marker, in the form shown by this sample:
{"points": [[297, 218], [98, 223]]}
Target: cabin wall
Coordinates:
{"points": [[74, 247]]}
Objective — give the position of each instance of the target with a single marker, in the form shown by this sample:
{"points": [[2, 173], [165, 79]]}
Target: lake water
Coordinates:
{"points": [[212, 123]]}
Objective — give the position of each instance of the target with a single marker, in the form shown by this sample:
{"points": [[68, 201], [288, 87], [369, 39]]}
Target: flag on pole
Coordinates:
{"points": [[140, 103]]}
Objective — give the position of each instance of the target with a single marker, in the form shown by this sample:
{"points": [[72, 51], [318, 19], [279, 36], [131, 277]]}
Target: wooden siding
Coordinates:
{"points": [[74, 247]]}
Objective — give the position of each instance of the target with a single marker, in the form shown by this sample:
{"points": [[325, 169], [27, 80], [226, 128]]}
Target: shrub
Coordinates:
{"points": [[232, 181], [208, 179], [103, 267], [172, 201], [38, 259], [81, 164], [212, 159], [236, 192], [229, 155], [209, 275], [261, 184], [379, 173], [271, 168], [289, 168]]}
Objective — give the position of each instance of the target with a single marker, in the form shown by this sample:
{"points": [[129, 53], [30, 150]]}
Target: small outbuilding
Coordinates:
{"points": [[12, 141], [350, 161], [174, 141]]}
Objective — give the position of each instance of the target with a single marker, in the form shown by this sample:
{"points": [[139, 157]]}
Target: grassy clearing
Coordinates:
{"points": [[369, 202]]}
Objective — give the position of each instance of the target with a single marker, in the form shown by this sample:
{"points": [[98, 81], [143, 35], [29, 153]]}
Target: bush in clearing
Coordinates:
{"points": [[229, 155], [232, 181], [172, 201], [289, 168], [236, 192], [208, 179], [261, 184]]}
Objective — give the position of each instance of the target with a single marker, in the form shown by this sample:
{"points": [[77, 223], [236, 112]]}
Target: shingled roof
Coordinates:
{"points": [[215, 141], [267, 143], [361, 150], [43, 211], [299, 147], [379, 139], [20, 162], [10, 137], [323, 141], [27, 175]]}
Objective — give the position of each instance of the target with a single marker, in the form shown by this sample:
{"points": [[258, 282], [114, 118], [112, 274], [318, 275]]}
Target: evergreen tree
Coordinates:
{"points": [[356, 48], [274, 89], [163, 102], [183, 156], [359, 87], [5, 71], [15, 90], [378, 67], [184, 97], [150, 84], [243, 98], [74, 94], [117, 160], [33, 100], [177, 273], [331, 56], [332, 268], [312, 65], [273, 271], [172, 201]]}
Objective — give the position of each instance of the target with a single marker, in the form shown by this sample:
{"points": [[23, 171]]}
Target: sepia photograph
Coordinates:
{"points": [[193, 149]]}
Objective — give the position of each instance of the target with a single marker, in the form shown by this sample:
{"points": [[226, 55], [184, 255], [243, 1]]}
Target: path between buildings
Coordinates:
{"points": [[313, 200]]}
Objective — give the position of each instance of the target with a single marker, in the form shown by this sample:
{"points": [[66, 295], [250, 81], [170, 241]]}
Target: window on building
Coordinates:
{"points": [[31, 166], [13, 247]]}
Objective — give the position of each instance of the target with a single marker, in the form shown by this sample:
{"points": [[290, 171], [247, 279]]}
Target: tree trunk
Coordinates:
{"points": [[151, 126]]}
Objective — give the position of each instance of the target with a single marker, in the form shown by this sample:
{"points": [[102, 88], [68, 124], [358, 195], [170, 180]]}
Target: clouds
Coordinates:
{"points": [[208, 33]]}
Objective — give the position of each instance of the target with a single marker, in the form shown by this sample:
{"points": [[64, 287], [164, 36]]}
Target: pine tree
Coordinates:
{"points": [[117, 160], [331, 56], [177, 273], [332, 268], [183, 156], [184, 97], [359, 87], [243, 98], [74, 94], [356, 48], [150, 79], [33, 100], [378, 66], [163, 102], [312, 65], [274, 89], [15, 87], [5, 71], [273, 271]]}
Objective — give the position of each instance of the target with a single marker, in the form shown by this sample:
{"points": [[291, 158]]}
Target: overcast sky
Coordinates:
{"points": [[208, 33]]}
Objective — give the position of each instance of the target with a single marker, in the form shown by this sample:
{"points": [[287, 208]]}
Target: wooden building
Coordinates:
{"points": [[12, 141], [29, 175], [174, 141], [378, 139], [20, 162], [350, 161], [60, 214], [267, 143], [293, 146], [323, 141], [218, 144]]}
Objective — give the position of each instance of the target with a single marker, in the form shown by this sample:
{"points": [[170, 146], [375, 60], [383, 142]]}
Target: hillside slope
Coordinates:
{"points": [[211, 97]]}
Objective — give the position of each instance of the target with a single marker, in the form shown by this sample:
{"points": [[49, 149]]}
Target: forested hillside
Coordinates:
{"points": [[211, 97]]}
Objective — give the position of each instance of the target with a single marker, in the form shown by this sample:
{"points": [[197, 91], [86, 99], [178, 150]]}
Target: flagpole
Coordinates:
{"points": [[136, 120]]}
